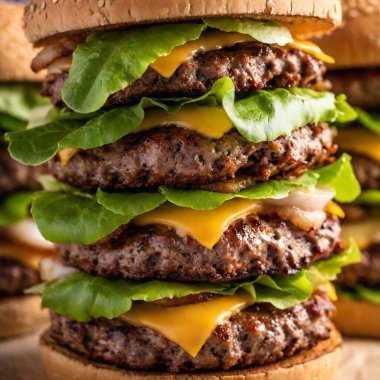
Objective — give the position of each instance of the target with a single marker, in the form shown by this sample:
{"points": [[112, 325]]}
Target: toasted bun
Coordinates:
{"points": [[48, 18], [21, 315], [16, 52], [317, 363], [358, 318], [357, 43]]}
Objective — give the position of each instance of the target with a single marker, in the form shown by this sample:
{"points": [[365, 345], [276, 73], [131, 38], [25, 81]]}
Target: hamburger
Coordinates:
{"points": [[357, 73], [21, 245], [193, 172]]}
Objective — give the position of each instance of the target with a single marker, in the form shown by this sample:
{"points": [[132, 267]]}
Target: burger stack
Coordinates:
{"points": [[357, 73], [191, 197]]}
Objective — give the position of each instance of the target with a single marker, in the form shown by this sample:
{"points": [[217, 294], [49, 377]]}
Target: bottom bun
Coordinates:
{"points": [[319, 363], [358, 318], [21, 315]]}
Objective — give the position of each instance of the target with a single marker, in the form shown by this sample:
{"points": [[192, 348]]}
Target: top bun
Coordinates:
{"points": [[357, 43], [16, 52], [48, 18]]}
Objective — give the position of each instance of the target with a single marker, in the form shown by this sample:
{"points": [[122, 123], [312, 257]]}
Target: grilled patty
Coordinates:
{"points": [[15, 176], [259, 335], [360, 85], [251, 66], [15, 277], [250, 246], [367, 272], [179, 157], [367, 171]]}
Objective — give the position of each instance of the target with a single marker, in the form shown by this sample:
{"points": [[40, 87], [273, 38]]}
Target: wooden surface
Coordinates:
{"points": [[19, 360]]}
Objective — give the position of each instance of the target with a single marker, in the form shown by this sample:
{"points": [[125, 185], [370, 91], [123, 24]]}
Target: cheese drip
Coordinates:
{"points": [[211, 122], [189, 326], [360, 141], [364, 232], [204, 226], [166, 66]]}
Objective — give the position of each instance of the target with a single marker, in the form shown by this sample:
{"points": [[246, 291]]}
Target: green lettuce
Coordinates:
{"points": [[83, 297], [260, 116], [369, 197], [369, 120], [64, 214], [110, 61], [360, 292], [19, 100], [267, 32], [15, 207]]}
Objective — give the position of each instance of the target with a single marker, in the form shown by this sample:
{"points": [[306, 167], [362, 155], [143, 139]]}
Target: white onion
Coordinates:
{"points": [[303, 219], [53, 269], [26, 233], [315, 200]]}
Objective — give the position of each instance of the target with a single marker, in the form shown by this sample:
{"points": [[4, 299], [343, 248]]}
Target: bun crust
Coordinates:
{"points": [[319, 363], [357, 42], [358, 318], [48, 18], [21, 315], [16, 52]]}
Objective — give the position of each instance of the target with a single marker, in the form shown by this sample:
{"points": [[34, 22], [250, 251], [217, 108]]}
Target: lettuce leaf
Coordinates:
{"points": [[267, 32], [110, 61], [260, 116], [360, 292], [83, 297], [65, 214], [340, 177], [15, 207], [369, 120], [19, 100], [369, 197], [10, 123]]}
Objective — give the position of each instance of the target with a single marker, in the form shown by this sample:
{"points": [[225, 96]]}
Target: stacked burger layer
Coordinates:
{"points": [[21, 245], [193, 173], [357, 73]]}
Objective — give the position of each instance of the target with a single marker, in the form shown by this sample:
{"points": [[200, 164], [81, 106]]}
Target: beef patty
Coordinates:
{"points": [[15, 277], [250, 246], [179, 157], [251, 66], [360, 85], [367, 272], [259, 335], [367, 171], [15, 176]]}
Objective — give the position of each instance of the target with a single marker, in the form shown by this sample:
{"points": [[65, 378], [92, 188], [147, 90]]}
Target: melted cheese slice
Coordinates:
{"points": [[28, 256], [359, 141], [189, 326], [204, 226], [334, 209], [312, 49], [364, 232], [166, 66], [211, 122]]}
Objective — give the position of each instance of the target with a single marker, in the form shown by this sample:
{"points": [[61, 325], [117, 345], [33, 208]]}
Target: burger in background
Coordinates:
{"points": [[356, 48], [21, 245]]}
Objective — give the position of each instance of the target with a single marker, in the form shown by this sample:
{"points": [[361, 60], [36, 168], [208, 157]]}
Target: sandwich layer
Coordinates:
{"points": [[251, 66], [367, 272], [259, 335], [250, 246], [304, 18], [15, 176], [361, 85], [16, 276], [180, 157]]}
